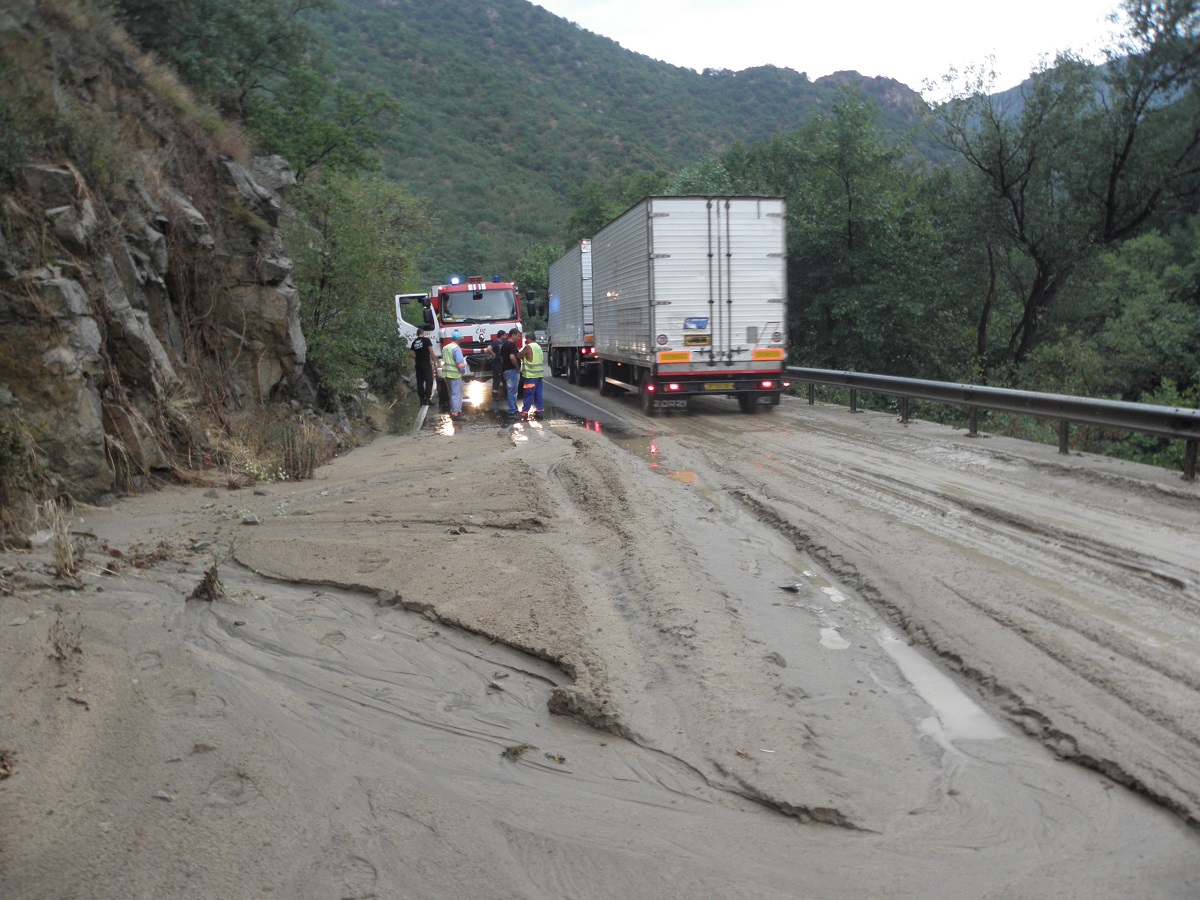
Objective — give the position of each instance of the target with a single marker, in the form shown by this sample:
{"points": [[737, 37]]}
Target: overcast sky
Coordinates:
{"points": [[912, 42]]}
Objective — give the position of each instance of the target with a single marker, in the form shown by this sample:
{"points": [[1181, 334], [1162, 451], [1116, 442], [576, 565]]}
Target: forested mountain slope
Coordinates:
{"points": [[506, 109]]}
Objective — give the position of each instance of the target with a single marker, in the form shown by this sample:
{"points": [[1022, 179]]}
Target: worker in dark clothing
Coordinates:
{"points": [[511, 367], [424, 357], [493, 351]]}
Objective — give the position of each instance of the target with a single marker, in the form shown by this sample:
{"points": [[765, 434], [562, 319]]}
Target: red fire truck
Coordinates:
{"points": [[475, 308]]}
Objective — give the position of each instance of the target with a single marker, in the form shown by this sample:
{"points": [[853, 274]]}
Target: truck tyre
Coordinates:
{"points": [[649, 407], [747, 402], [573, 369]]}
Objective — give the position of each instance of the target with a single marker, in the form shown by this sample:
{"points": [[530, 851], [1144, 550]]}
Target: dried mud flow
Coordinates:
{"points": [[801, 654]]}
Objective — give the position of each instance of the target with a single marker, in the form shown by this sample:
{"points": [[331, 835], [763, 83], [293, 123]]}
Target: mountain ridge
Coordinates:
{"points": [[499, 128]]}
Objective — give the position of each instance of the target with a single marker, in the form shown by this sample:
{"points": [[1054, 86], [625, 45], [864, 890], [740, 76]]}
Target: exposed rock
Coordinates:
{"points": [[273, 172], [56, 185], [124, 287]]}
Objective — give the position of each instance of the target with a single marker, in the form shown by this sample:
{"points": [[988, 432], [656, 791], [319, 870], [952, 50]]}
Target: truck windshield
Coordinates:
{"points": [[498, 305]]}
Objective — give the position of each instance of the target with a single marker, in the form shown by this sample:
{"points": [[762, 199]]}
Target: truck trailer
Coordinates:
{"points": [[690, 299], [572, 345]]}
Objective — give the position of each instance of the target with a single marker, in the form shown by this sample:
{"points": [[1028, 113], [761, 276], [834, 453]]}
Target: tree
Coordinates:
{"points": [[598, 203], [1081, 158], [533, 277], [228, 50], [355, 241], [860, 291], [1148, 332], [315, 123]]}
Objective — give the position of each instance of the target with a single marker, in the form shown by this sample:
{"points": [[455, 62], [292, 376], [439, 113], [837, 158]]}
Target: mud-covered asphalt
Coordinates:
{"points": [[797, 654]]}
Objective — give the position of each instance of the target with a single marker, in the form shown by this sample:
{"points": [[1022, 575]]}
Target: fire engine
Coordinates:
{"points": [[475, 308]]}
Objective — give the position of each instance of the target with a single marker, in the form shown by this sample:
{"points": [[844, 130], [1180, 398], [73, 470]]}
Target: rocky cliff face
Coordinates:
{"points": [[142, 272]]}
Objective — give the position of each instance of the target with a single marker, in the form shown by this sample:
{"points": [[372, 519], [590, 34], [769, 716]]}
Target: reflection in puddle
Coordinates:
{"points": [[643, 446]]}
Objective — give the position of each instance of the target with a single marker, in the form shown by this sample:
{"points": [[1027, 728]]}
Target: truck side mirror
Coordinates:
{"points": [[428, 316]]}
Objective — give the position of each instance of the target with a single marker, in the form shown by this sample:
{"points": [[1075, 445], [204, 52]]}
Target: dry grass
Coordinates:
{"points": [[53, 517], [262, 447]]}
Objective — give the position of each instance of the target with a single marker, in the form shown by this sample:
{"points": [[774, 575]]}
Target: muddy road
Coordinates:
{"points": [[805, 653]]}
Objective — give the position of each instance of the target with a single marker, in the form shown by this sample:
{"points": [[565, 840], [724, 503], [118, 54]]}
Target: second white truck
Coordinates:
{"points": [[572, 347], [689, 298]]}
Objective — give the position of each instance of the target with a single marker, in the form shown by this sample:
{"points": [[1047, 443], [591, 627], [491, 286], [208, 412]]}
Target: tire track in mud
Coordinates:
{"points": [[1165, 591], [679, 652], [1076, 614]]}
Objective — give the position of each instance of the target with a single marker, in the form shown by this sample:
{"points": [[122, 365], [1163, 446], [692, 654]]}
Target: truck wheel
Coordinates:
{"points": [[747, 402], [649, 407], [573, 370]]}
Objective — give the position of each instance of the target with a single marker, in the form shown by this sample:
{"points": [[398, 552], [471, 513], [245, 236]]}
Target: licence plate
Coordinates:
{"points": [[718, 385]]}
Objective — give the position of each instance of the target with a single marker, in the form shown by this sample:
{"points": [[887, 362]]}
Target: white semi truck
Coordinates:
{"points": [[572, 345], [689, 299]]}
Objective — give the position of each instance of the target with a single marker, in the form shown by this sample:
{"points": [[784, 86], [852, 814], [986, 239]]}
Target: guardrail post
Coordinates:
{"points": [[812, 393], [903, 410], [1064, 437], [974, 423], [853, 400], [1189, 460]]}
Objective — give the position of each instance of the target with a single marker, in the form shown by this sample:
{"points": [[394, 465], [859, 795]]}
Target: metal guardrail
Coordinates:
{"points": [[1162, 421]]}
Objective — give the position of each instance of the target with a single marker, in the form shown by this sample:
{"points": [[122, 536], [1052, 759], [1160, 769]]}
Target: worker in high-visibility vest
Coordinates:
{"points": [[454, 367], [531, 377]]}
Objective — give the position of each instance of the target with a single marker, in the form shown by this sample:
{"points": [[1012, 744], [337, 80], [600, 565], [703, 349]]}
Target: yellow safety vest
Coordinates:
{"points": [[449, 366], [532, 368]]}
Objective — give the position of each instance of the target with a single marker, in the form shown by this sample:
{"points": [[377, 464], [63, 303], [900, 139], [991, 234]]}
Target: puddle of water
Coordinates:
{"points": [[402, 415], [643, 446], [831, 640], [955, 716]]}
